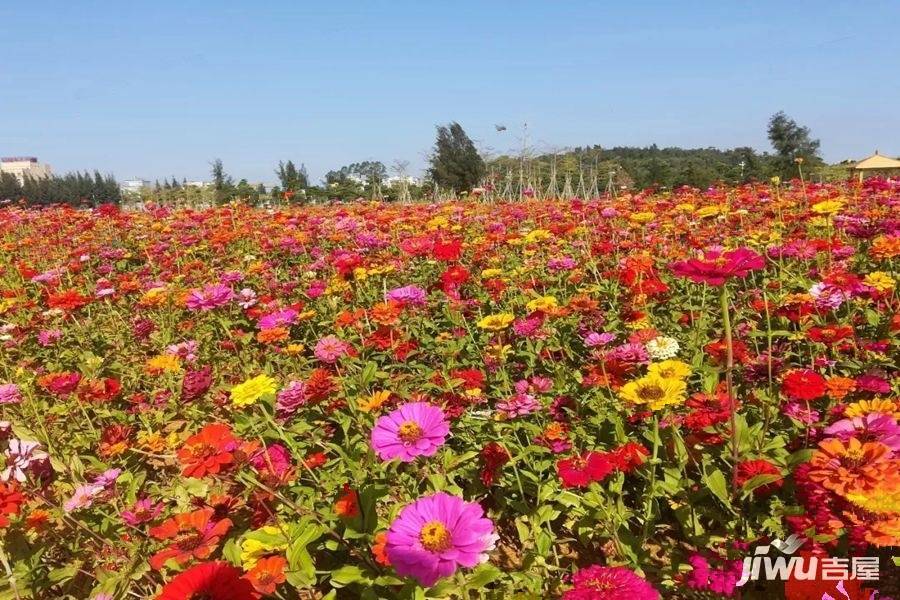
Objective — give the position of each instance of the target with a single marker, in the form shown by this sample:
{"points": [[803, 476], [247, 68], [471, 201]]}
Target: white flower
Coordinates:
{"points": [[663, 348]]}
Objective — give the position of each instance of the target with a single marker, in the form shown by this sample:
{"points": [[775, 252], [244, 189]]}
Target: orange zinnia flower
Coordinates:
{"points": [[267, 574], [347, 504], [839, 387], [851, 467], [884, 532], [193, 535]]}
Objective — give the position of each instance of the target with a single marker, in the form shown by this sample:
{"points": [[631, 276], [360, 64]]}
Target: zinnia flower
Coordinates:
{"points": [[330, 348], [852, 467], [654, 391], [414, 429], [496, 322], [252, 390], [435, 535], [609, 583], [211, 581], [581, 470], [210, 297], [10, 394], [715, 268], [208, 451], [194, 534], [804, 384]]}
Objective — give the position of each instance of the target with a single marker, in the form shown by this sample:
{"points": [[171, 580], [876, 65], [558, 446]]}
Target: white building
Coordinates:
{"points": [[24, 166], [398, 179], [134, 186]]}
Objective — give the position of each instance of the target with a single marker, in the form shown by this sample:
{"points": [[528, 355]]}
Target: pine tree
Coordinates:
{"points": [[455, 162]]}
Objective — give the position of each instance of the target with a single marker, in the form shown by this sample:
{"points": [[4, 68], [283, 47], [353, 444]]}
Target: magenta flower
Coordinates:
{"points": [[290, 399], [715, 268], [409, 294], [414, 429], [330, 348], [609, 583], [143, 511], [10, 394], [873, 427], [278, 318], [210, 297], [435, 535], [518, 406], [48, 337]]}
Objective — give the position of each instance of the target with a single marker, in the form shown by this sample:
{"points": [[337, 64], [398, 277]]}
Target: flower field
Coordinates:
{"points": [[586, 399]]}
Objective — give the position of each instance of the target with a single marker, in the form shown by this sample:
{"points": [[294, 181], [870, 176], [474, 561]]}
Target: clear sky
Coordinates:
{"points": [[156, 89]]}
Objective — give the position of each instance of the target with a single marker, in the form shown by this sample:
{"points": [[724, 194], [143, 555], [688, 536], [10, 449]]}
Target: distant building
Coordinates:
{"points": [[24, 166], [197, 184], [398, 179], [134, 186]]}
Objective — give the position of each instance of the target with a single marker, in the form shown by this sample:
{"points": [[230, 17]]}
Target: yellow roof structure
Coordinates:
{"points": [[876, 162]]}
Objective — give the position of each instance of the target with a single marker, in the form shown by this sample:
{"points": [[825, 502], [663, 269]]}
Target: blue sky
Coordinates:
{"points": [[156, 89]]}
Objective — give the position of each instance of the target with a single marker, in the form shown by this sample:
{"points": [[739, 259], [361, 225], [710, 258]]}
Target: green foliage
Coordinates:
{"points": [[455, 163], [792, 142], [72, 188]]}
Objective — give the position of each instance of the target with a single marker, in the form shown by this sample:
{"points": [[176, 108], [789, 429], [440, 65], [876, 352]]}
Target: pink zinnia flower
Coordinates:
{"points": [[210, 297], [290, 399], [435, 535], [518, 406], [873, 427], [48, 337], [278, 318], [715, 268], [414, 429], [409, 294], [10, 394], [330, 348], [143, 511], [609, 583], [82, 498]]}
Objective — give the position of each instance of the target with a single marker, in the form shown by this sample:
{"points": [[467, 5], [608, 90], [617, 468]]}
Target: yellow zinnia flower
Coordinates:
{"points": [[641, 217], [827, 207], [670, 369], [496, 322], [879, 280], [374, 401], [654, 391], [163, 363], [875, 405], [252, 390], [543, 303]]}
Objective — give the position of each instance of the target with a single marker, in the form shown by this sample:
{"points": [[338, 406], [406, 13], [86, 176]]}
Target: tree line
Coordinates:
{"points": [[456, 166], [77, 189]]}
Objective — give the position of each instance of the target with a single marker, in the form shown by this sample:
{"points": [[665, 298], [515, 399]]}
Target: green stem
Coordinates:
{"points": [[729, 385]]}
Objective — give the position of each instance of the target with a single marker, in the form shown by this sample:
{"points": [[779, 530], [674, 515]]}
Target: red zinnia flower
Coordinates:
{"points": [[493, 456], [10, 501], [60, 384], [193, 535], [803, 384], [212, 581], [208, 451], [580, 471], [749, 469], [629, 456], [67, 300], [449, 250]]}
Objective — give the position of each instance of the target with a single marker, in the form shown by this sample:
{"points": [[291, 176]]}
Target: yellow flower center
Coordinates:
{"points": [[410, 432], [435, 537]]}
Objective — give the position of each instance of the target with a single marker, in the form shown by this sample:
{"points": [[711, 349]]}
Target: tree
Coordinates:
{"points": [[792, 142], [223, 184], [10, 189], [455, 162], [292, 179]]}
